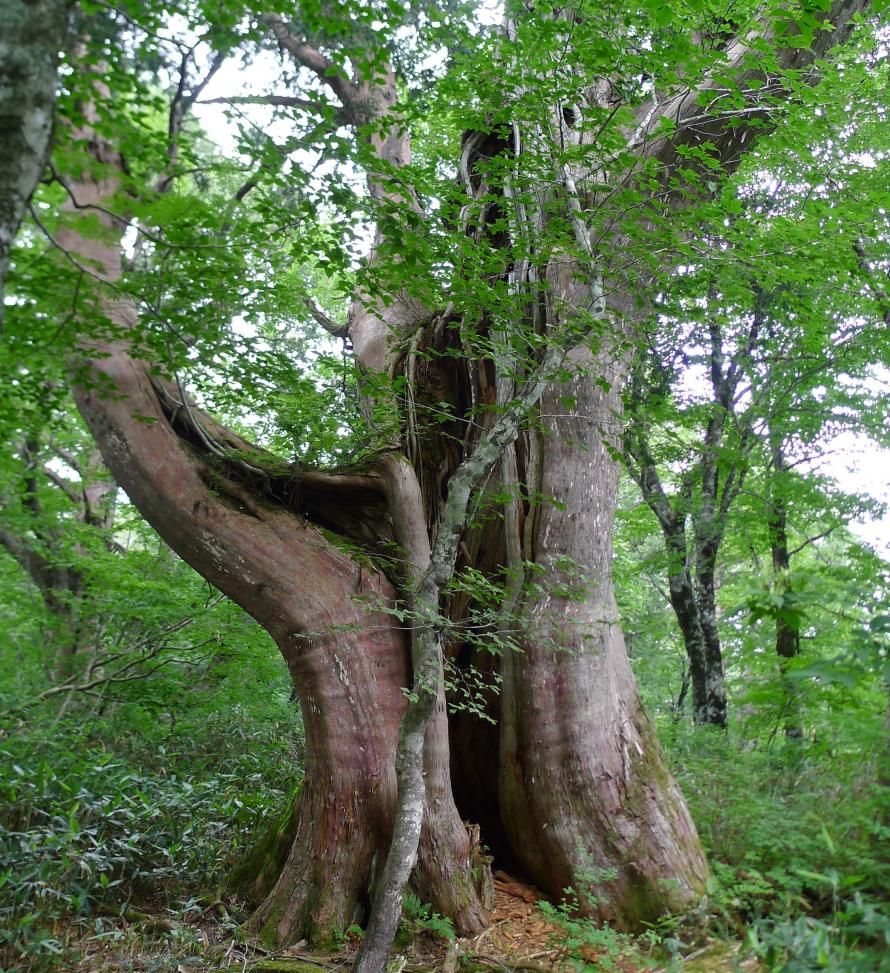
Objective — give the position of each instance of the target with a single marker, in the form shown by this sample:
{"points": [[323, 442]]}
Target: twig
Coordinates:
{"points": [[478, 940], [510, 966]]}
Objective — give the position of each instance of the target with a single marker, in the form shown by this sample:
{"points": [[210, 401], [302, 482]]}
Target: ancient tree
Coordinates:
{"points": [[493, 403]]}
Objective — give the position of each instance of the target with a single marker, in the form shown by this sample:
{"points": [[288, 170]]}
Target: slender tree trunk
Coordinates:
{"points": [[708, 527], [692, 596], [31, 36], [60, 586], [787, 628], [715, 689], [40, 547], [686, 609]]}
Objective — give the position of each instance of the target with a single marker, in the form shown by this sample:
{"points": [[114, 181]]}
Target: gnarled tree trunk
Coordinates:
{"points": [[348, 659], [583, 794]]}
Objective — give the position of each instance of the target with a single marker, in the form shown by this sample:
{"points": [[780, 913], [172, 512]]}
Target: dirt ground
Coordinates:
{"points": [[205, 939]]}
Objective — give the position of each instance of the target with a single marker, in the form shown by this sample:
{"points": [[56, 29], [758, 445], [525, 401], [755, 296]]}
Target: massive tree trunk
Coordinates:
{"points": [[348, 661], [585, 796]]}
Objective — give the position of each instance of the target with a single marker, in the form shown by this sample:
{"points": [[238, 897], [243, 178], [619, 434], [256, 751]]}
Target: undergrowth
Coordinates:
{"points": [[93, 821], [798, 837]]}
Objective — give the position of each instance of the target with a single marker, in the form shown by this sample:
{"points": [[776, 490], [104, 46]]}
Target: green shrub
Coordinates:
{"points": [[776, 821], [87, 828], [854, 939]]}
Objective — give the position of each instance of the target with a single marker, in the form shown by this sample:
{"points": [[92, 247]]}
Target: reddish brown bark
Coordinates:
{"points": [[348, 661], [585, 795]]}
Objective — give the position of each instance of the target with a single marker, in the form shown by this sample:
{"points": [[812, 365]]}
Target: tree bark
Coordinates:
{"points": [[31, 36], [685, 607], [706, 598], [585, 795]]}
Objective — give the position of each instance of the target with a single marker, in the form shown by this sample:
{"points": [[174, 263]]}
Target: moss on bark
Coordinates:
{"points": [[258, 869]]}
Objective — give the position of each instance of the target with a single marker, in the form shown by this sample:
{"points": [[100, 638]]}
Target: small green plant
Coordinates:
{"points": [[855, 938], [418, 917], [594, 947]]}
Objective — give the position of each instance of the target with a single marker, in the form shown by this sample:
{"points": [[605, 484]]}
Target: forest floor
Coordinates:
{"points": [[519, 939]]}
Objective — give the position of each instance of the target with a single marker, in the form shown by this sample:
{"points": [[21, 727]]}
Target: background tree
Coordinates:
{"points": [[33, 35], [52, 549], [735, 374]]}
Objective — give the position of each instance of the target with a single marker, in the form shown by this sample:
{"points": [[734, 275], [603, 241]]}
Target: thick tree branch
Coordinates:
{"points": [[641, 464], [329, 325], [68, 458], [311, 57], [284, 101], [727, 132], [48, 579]]}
